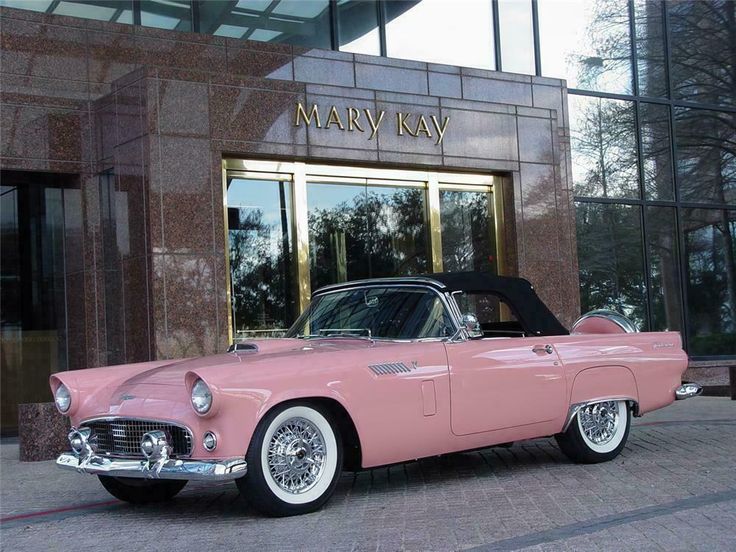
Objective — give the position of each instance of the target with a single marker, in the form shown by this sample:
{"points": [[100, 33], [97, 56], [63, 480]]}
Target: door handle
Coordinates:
{"points": [[539, 349]]}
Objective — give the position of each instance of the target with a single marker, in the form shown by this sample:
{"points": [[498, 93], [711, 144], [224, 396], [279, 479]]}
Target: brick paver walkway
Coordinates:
{"points": [[673, 488]]}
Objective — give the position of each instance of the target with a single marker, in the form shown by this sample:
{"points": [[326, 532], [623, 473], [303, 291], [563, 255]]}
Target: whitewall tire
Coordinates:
{"points": [[294, 460], [597, 433]]}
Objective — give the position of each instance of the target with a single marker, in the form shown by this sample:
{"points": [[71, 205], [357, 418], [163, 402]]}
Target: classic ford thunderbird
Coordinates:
{"points": [[374, 372]]}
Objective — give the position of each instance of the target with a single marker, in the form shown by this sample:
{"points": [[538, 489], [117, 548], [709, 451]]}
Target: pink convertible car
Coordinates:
{"points": [[374, 372]]}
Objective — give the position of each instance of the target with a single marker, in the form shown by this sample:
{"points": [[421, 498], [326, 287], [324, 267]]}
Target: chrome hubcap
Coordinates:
{"points": [[600, 421], [296, 455]]}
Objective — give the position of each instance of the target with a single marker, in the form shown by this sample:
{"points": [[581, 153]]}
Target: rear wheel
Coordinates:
{"points": [[141, 491], [294, 461], [597, 433]]}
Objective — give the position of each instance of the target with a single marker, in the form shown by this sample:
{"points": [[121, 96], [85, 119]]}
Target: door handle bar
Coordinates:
{"points": [[543, 349]]}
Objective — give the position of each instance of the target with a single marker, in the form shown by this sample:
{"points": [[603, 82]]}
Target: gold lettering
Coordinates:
{"points": [[334, 119], [374, 124], [302, 114], [353, 116], [440, 129], [422, 127], [402, 119]]}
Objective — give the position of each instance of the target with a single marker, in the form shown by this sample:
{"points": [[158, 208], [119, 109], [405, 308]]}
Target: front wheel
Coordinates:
{"points": [[141, 491], [597, 433], [294, 461]]}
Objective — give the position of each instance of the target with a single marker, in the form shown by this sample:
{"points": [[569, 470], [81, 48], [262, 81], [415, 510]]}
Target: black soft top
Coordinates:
{"points": [[518, 293]]}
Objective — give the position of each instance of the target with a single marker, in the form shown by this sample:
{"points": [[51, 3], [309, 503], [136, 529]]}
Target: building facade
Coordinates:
{"points": [[179, 174]]}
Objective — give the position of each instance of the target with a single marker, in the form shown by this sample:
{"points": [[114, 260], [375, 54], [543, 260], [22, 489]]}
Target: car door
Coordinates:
{"points": [[503, 379]]}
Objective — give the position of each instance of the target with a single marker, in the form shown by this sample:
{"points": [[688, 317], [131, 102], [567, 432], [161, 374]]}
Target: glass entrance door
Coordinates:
{"points": [[294, 227]]}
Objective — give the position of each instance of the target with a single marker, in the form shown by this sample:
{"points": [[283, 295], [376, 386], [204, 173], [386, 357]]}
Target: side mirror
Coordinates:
{"points": [[470, 323]]}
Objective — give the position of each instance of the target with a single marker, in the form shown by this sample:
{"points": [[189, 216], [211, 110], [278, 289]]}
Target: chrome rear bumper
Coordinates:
{"points": [[202, 470], [687, 390]]}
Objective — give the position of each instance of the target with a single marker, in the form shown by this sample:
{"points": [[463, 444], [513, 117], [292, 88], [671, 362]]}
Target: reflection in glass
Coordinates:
{"points": [[711, 280], [604, 157], [119, 11], [33, 324], [648, 20], [261, 255], [430, 30], [703, 51], [664, 269], [361, 232], [300, 22], [706, 157], [516, 35], [586, 42], [611, 260], [380, 313], [167, 14], [654, 133], [358, 27], [468, 231]]}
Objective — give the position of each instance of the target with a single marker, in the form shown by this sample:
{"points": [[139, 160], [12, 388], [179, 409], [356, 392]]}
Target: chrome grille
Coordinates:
{"points": [[389, 368], [122, 437]]}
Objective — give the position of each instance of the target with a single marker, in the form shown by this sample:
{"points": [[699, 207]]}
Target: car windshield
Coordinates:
{"points": [[390, 312]]}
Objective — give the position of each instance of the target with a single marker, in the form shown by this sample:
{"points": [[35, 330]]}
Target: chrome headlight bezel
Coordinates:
{"points": [[201, 397], [62, 397]]}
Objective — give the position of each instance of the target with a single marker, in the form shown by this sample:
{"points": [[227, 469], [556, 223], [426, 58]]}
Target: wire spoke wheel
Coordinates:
{"points": [[296, 455], [600, 421]]}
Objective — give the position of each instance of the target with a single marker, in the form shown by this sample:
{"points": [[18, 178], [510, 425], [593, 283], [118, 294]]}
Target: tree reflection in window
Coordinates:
{"points": [[261, 256], [362, 232]]}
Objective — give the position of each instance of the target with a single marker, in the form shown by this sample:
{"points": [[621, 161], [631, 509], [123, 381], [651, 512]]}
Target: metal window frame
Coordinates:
{"points": [[300, 174]]}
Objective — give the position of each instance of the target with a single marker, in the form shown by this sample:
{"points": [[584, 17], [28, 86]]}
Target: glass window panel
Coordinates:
{"points": [[468, 231], [338, 233], [358, 27], [654, 132], [650, 47], [119, 11], [361, 232], [586, 42], [516, 35], [711, 281], [706, 157], [303, 22], [604, 156], [611, 259], [664, 269], [167, 14], [431, 30], [262, 273], [703, 51], [33, 325]]}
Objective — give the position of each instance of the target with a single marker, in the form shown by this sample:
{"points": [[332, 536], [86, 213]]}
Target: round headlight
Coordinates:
{"points": [[62, 398], [201, 397]]}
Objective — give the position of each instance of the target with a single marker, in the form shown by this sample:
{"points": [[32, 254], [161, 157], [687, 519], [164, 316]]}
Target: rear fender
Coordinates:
{"points": [[603, 383]]}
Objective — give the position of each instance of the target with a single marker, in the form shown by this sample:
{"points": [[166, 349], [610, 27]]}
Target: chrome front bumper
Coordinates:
{"points": [[202, 470]]}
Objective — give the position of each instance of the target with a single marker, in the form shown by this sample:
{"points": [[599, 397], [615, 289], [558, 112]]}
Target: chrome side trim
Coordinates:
{"points": [[201, 470], [575, 408], [687, 390]]}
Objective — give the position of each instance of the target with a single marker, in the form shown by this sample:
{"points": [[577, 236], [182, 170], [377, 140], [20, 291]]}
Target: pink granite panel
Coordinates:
{"points": [[31, 48], [42, 432], [245, 114], [183, 108], [539, 225], [186, 193], [42, 133]]}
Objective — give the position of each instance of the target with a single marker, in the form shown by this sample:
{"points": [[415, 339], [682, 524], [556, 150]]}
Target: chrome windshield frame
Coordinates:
{"points": [[446, 303]]}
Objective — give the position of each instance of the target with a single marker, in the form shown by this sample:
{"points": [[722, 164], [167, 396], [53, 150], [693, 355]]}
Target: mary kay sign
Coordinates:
{"points": [[352, 119]]}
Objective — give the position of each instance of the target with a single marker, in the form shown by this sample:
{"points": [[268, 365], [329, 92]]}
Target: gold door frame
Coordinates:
{"points": [[299, 174]]}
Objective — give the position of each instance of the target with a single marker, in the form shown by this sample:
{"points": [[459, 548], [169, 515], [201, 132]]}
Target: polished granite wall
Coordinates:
{"points": [[158, 110]]}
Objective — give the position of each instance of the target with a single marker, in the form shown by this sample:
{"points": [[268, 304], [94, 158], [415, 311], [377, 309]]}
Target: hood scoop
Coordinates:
{"points": [[243, 348]]}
